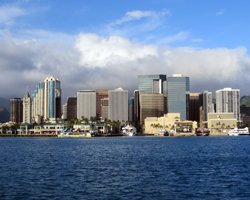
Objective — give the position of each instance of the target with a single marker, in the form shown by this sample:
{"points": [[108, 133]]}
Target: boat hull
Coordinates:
{"points": [[75, 136]]}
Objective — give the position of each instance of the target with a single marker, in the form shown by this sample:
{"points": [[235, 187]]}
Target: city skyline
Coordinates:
{"points": [[206, 41], [130, 92]]}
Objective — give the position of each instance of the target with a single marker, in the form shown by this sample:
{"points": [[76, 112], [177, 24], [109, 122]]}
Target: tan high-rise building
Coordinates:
{"points": [[86, 104], [118, 105]]}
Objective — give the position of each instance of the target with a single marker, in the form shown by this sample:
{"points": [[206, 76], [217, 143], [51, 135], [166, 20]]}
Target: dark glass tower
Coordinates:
{"points": [[16, 110]]}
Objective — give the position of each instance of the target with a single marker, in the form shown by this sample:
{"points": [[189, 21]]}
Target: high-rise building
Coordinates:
{"points": [[71, 108], [86, 104], [52, 98], [131, 104], [228, 101], [38, 101], [194, 107], [16, 110], [152, 105], [207, 105], [178, 95], [65, 114], [118, 105], [136, 108], [100, 94], [151, 84], [27, 109], [104, 108]]}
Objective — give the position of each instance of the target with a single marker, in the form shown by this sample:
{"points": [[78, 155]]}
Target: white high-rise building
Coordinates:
{"points": [[118, 105], [27, 108], [228, 101], [86, 104], [38, 101]]}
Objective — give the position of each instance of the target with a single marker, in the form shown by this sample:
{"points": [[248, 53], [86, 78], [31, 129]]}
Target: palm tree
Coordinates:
{"points": [[223, 125], [153, 125]]}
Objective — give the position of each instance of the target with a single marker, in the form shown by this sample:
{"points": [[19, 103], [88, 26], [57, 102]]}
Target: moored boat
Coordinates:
{"points": [[239, 131], [73, 135], [202, 132], [129, 130]]}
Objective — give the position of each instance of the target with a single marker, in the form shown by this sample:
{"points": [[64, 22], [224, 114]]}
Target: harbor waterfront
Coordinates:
{"points": [[125, 168]]}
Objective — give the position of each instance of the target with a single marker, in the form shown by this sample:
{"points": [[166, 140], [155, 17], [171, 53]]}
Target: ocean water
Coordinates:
{"points": [[125, 168]]}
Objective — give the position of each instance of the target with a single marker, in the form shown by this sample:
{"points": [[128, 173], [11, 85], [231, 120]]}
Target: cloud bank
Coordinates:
{"points": [[92, 61]]}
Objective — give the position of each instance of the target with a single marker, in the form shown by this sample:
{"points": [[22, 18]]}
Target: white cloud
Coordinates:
{"points": [[99, 51], [8, 13], [139, 14], [208, 68], [215, 65], [93, 62]]}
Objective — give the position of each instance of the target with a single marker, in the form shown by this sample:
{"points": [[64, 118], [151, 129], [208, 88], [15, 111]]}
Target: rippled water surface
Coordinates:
{"points": [[125, 168]]}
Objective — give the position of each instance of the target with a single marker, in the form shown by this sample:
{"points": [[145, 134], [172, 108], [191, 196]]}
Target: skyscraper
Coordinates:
{"points": [[71, 108], [228, 100], [178, 95], [152, 84], [27, 109], [104, 108], [136, 109], [100, 95], [86, 104], [38, 101], [118, 105], [16, 110], [194, 107], [207, 104], [152, 105], [65, 114], [52, 98], [151, 89], [131, 105]]}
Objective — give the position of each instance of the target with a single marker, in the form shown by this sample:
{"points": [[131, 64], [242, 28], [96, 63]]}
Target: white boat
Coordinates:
{"points": [[238, 131], [75, 135], [129, 130]]}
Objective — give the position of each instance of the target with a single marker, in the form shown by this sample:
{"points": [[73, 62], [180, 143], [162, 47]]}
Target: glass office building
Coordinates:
{"points": [[152, 84], [178, 95], [52, 98]]}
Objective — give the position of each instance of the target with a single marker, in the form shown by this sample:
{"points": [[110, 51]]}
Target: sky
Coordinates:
{"points": [[93, 44]]}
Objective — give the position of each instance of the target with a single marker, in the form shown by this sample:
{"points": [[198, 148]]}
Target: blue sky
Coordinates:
{"points": [[203, 24], [79, 39]]}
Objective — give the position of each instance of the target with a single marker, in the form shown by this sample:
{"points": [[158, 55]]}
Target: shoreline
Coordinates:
{"points": [[114, 135]]}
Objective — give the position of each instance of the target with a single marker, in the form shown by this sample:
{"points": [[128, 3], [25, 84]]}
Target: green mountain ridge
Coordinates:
{"points": [[245, 100]]}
